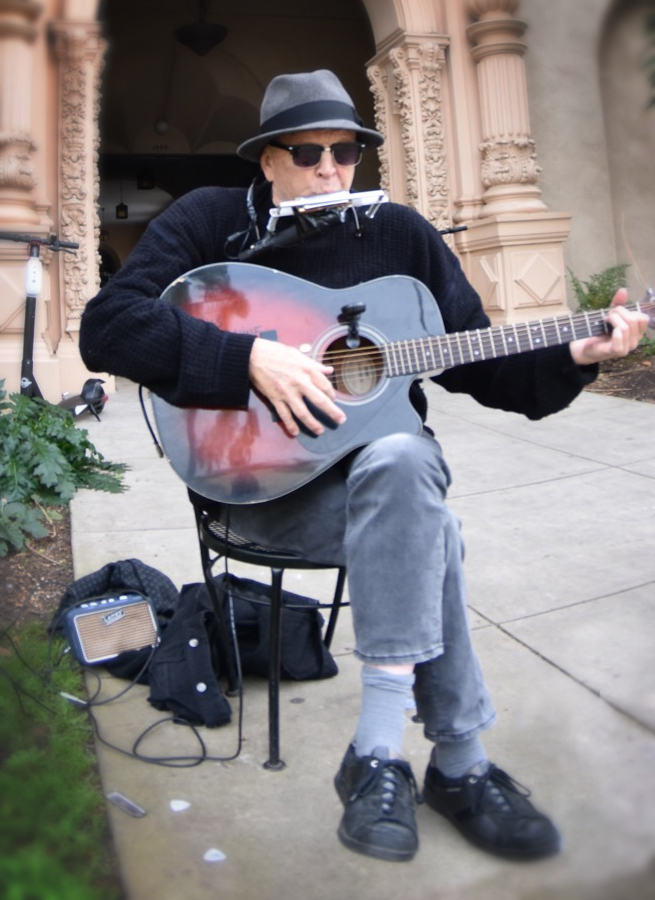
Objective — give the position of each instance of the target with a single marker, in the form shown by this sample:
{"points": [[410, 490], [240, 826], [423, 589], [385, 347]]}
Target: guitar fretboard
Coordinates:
{"points": [[417, 355]]}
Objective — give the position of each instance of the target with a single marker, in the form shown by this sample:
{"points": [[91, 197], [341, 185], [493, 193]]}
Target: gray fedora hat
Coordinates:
{"points": [[305, 101]]}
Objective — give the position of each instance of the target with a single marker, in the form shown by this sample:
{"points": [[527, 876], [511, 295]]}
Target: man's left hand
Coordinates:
{"points": [[626, 328]]}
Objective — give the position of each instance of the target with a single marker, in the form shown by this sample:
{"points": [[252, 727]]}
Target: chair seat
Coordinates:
{"points": [[226, 536]]}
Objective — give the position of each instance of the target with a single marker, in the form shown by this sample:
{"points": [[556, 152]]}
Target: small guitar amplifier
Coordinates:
{"points": [[102, 627]]}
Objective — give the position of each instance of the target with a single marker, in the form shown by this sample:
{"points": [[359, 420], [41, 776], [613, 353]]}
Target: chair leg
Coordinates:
{"points": [[274, 761], [336, 606], [225, 645]]}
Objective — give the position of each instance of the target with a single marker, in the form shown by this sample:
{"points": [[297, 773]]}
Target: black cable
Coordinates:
{"points": [[169, 761], [134, 681], [158, 446], [172, 761]]}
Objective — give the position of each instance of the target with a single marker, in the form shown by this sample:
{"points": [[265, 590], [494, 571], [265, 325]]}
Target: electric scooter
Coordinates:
{"points": [[92, 397]]}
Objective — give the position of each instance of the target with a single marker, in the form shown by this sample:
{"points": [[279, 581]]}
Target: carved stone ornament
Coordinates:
{"points": [[432, 116], [511, 161], [480, 8], [418, 103], [79, 49], [377, 77], [16, 163], [403, 107]]}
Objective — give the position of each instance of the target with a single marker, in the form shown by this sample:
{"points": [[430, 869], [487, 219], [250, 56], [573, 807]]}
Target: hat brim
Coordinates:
{"points": [[252, 148]]}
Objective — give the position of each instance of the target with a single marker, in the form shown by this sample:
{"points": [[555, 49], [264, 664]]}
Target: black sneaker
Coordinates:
{"points": [[493, 812], [379, 796]]}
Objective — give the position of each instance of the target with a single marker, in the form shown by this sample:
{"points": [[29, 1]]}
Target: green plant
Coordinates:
{"points": [[54, 838], [597, 293], [647, 347], [44, 459]]}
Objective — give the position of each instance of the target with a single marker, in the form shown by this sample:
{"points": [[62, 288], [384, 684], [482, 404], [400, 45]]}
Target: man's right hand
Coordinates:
{"points": [[286, 377]]}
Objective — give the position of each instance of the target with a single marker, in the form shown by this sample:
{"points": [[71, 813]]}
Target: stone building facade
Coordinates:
{"points": [[528, 122]]}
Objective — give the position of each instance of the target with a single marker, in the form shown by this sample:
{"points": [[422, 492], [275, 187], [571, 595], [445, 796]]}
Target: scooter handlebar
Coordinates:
{"points": [[52, 242]]}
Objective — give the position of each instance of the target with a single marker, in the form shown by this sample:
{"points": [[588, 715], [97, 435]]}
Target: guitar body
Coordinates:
{"points": [[245, 455]]}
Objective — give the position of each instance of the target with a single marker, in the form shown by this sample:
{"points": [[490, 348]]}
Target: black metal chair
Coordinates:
{"points": [[219, 541]]}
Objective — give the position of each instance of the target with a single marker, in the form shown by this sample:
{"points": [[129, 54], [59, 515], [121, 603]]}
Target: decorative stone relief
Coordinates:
{"points": [[17, 33], [509, 161], [404, 108], [407, 80], [79, 48], [16, 163], [509, 169], [433, 157], [481, 8], [537, 275], [485, 276], [377, 77]]}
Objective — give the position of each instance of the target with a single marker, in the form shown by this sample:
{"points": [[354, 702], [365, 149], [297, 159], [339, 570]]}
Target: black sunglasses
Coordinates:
{"points": [[345, 153]]}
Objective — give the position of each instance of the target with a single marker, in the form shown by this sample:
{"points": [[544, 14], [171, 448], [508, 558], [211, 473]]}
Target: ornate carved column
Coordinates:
{"points": [[80, 51], [509, 157], [513, 253], [17, 174], [405, 79]]}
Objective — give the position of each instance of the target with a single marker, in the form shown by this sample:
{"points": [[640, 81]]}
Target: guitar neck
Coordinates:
{"points": [[420, 355]]}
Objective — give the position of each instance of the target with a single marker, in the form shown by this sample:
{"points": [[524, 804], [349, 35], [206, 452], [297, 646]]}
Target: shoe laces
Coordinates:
{"points": [[386, 779], [497, 787]]}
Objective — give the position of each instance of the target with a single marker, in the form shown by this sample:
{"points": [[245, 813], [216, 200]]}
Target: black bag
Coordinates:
{"points": [[304, 655], [184, 671]]}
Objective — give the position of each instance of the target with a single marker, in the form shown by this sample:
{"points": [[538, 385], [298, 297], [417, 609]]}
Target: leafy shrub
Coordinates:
{"points": [[44, 459], [54, 836], [647, 347], [598, 292]]}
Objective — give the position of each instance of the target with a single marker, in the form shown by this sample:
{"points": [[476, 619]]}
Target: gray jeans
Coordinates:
{"points": [[384, 515]]}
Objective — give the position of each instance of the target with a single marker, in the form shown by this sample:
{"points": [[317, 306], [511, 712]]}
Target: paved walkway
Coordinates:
{"points": [[559, 524]]}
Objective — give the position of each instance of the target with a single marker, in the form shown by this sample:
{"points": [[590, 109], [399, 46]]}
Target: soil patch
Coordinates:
{"points": [[33, 580], [632, 377]]}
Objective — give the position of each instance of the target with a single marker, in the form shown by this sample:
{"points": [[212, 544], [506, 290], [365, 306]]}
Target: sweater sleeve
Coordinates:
{"points": [[127, 330]]}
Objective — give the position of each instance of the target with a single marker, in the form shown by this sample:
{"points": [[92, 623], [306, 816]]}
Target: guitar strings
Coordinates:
{"points": [[476, 338]]}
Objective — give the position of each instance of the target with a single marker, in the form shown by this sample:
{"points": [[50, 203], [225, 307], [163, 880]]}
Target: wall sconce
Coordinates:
{"points": [[121, 208]]}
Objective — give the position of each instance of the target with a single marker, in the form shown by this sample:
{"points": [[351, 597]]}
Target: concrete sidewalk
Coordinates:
{"points": [[559, 524]]}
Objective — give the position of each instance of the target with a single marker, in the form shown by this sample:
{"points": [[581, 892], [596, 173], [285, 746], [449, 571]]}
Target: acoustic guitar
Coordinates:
{"points": [[379, 336]]}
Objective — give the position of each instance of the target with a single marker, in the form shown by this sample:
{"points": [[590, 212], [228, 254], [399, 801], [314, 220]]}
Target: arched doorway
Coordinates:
{"points": [[173, 109], [626, 94]]}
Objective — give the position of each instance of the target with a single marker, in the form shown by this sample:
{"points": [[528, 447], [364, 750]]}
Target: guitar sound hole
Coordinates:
{"points": [[358, 370]]}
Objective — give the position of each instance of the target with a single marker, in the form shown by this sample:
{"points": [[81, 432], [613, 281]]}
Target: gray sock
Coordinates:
{"points": [[382, 717], [455, 759]]}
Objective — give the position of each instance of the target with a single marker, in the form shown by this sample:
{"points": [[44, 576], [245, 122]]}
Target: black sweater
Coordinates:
{"points": [[126, 330]]}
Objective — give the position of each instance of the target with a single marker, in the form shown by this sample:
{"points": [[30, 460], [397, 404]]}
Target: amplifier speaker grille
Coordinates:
{"points": [[101, 629]]}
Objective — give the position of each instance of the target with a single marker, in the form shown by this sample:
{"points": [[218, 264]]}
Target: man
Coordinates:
{"points": [[382, 510]]}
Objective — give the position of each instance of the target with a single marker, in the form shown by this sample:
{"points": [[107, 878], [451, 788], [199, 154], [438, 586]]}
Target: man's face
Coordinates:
{"points": [[290, 181]]}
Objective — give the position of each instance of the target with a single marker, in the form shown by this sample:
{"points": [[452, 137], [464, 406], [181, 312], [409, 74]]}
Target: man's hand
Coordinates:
{"points": [[286, 377], [626, 330]]}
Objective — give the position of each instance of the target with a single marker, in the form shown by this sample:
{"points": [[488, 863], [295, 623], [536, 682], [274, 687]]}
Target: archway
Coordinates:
{"points": [[175, 115], [626, 96]]}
